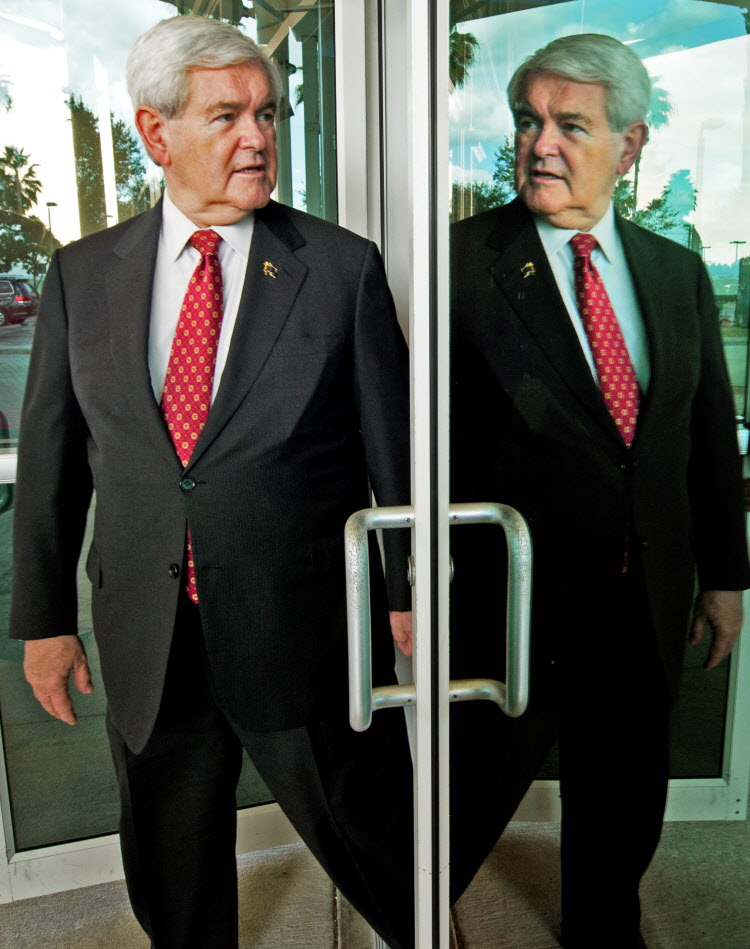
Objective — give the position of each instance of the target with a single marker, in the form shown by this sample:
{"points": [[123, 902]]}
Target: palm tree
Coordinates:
{"points": [[18, 191], [461, 55], [661, 109]]}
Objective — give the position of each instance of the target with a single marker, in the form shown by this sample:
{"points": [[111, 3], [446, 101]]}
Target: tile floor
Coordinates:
{"points": [[695, 896]]}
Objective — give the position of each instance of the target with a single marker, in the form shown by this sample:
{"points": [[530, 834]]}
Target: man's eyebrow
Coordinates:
{"points": [[215, 107], [579, 117], [573, 117]]}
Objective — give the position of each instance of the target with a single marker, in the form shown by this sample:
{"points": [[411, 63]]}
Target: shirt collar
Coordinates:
{"points": [[177, 230], [555, 239]]}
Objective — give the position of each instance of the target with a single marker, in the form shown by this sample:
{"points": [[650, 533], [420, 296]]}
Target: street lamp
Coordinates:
{"points": [[50, 205], [737, 252]]}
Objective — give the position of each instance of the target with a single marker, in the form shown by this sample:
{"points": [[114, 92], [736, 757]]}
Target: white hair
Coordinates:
{"points": [[158, 64], [591, 57]]}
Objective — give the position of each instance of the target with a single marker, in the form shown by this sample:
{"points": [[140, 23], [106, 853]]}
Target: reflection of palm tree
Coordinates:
{"points": [[660, 111], [6, 100], [19, 191], [461, 55]]}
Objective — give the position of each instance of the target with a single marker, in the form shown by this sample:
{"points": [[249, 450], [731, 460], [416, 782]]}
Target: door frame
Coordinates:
{"points": [[376, 149]]}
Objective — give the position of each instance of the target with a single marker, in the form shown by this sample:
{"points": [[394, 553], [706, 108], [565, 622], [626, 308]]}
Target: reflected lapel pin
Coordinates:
{"points": [[528, 270], [269, 270]]}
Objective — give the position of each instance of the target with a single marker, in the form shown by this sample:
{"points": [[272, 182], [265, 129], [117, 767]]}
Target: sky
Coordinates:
{"points": [[51, 48], [697, 51]]}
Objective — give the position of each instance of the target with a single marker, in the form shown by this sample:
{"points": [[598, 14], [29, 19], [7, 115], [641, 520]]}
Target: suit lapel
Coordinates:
{"points": [[128, 288], [272, 281], [524, 276]]}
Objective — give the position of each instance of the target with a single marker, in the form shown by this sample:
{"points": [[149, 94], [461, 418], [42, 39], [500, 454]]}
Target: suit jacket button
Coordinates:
{"points": [[174, 570], [187, 484], [643, 542]]}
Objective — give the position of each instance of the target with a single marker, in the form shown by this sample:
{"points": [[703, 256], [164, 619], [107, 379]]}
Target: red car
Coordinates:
{"points": [[18, 300]]}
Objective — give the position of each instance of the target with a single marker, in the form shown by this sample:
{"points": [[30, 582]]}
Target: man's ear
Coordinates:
{"points": [[634, 138], [152, 126]]}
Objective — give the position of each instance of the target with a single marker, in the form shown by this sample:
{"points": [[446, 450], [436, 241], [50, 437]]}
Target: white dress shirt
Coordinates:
{"points": [[176, 259], [609, 260]]}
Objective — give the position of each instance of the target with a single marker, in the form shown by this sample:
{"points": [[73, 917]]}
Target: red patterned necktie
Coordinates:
{"points": [[614, 368], [186, 397]]}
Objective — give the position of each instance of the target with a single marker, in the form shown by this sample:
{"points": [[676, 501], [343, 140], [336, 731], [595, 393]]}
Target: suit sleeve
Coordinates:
{"points": [[381, 368], [714, 474], [53, 481]]}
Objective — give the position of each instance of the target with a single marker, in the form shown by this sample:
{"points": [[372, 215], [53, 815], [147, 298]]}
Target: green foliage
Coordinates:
{"points": [[661, 109], [658, 215], [477, 196], [504, 172], [18, 192], [130, 171], [25, 244], [92, 212], [473, 198], [462, 54], [129, 164]]}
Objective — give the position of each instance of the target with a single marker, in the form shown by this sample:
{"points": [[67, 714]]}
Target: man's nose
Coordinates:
{"points": [[547, 141], [251, 135]]}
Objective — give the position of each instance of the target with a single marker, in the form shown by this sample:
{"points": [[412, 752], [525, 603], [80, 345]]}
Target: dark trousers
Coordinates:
{"points": [[606, 702], [347, 794]]}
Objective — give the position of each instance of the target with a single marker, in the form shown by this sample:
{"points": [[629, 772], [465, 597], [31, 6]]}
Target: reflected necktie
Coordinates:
{"points": [[614, 368], [186, 397]]}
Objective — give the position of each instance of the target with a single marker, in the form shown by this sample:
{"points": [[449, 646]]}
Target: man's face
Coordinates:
{"points": [[567, 157], [219, 153]]}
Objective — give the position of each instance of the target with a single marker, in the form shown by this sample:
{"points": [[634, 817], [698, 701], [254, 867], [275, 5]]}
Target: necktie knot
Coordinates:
{"points": [[583, 245], [206, 242]]}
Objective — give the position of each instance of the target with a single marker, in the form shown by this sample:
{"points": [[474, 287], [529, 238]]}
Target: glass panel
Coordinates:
{"points": [[71, 163], [692, 185]]}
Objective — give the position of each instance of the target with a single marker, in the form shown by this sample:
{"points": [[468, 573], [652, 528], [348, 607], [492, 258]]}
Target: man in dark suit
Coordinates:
{"points": [[590, 392], [224, 373]]}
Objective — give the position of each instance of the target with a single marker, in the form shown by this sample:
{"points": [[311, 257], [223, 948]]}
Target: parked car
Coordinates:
{"points": [[18, 299]]}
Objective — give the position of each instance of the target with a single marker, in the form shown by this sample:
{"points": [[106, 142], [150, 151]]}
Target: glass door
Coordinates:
{"points": [[62, 82], [690, 186]]}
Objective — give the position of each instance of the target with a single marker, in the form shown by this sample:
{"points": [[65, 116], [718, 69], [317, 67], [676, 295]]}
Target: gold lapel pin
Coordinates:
{"points": [[269, 270], [528, 270]]}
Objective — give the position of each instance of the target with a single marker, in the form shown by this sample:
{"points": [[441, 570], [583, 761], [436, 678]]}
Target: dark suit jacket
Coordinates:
{"points": [[313, 399], [530, 429]]}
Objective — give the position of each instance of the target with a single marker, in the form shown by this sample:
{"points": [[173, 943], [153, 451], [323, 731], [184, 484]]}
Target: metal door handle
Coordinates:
{"points": [[512, 696]]}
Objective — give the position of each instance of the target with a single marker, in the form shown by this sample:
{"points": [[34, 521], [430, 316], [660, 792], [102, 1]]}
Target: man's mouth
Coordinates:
{"points": [[539, 175], [254, 169]]}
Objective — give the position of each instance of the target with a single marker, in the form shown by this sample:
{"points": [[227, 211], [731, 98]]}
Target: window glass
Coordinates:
{"points": [[693, 182], [71, 163], [692, 185]]}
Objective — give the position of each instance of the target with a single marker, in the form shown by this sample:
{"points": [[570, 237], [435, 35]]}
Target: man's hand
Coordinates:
{"points": [[722, 611], [401, 630], [48, 664]]}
